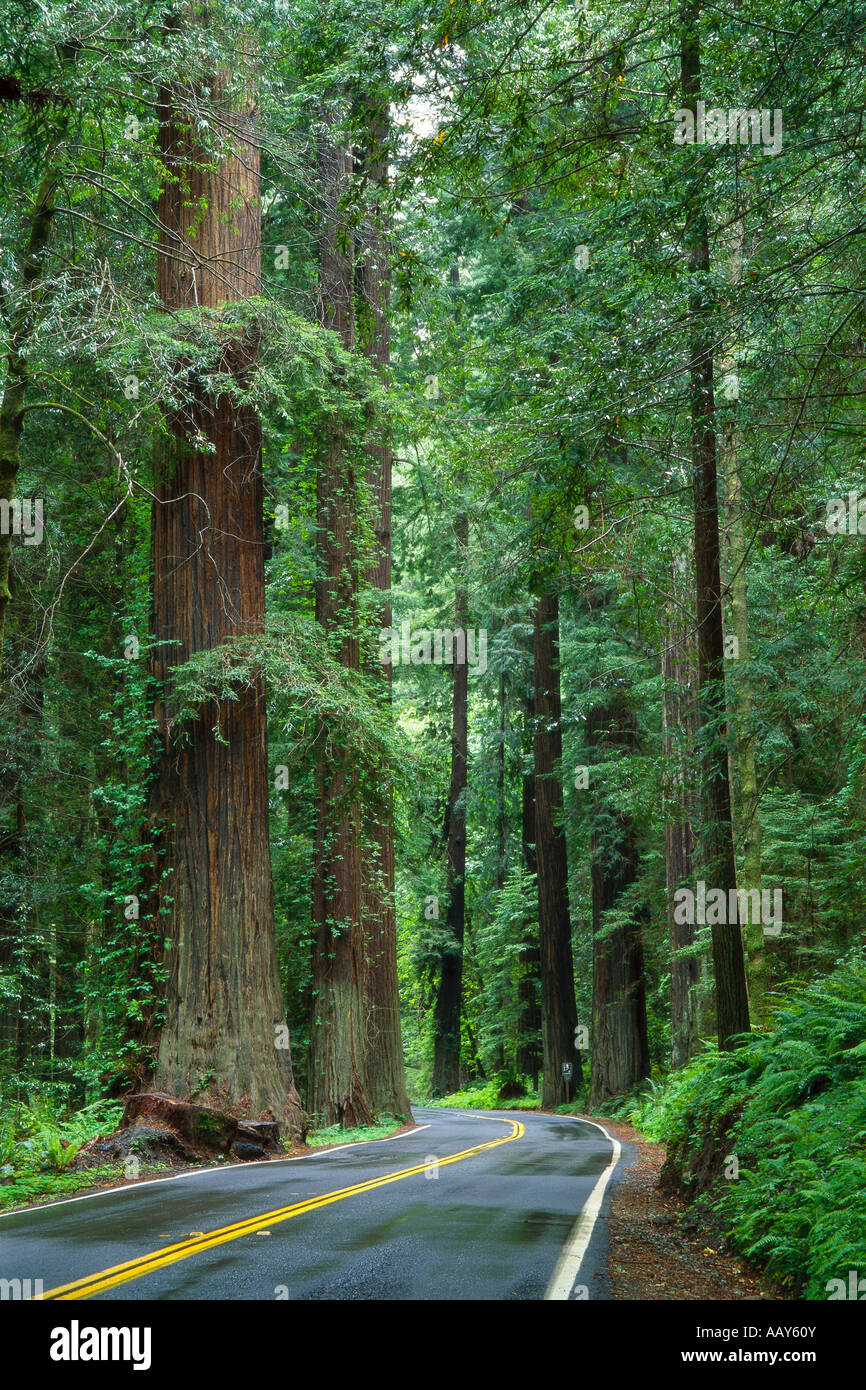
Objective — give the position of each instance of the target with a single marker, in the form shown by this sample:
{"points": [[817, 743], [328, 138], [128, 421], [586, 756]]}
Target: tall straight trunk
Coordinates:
{"points": [[214, 892], [620, 1046], [499, 1053], [500, 785], [384, 1075], [529, 959], [742, 692], [337, 1044], [558, 1007], [447, 1013], [717, 847], [679, 723]]}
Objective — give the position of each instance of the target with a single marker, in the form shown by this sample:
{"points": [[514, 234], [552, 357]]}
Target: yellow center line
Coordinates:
{"points": [[156, 1259]]}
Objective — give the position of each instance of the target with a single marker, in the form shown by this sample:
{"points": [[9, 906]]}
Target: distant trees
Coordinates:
{"points": [[650, 357], [620, 1045]]}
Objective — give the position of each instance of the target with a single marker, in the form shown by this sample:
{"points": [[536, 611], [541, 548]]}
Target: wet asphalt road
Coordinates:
{"points": [[489, 1226]]}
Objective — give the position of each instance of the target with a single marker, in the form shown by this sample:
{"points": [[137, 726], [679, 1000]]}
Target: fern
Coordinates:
{"points": [[794, 1101]]}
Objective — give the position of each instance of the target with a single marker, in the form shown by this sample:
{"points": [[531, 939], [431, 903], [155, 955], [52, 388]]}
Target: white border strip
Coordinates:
{"points": [[564, 1276], [205, 1173]]}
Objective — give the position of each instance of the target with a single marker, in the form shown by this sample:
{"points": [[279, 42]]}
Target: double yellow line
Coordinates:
{"points": [[170, 1254]]}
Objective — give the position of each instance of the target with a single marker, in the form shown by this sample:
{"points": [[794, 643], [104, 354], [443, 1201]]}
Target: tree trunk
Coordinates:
{"points": [[337, 1033], [384, 1076], [500, 786], [558, 1008], [446, 1043], [679, 723], [717, 848], [620, 1047], [740, 685], [529, 986], [499, 1052], [210, 801]]}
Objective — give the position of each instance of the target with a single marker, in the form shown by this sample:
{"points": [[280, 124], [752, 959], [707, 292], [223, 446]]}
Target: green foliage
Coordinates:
{"points": [[311, 692], [29, 1187], [485, 1096], [42, 1134], [790, 1104], [357, 1134], [499, 945]]}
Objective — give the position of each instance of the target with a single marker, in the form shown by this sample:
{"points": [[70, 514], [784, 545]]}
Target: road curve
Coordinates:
{"points": [[472, 1205]]}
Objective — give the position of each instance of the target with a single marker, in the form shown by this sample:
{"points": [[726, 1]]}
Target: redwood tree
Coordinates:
{"points": [[558, 1008], [209, 807], [383, 1070], [337, 1037], [449, 991], [717, 847], [529, 960], [679, 723], [446, 1044]]}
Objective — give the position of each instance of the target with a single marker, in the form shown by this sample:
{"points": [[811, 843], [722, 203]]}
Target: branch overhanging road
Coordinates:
{"points": [[468, 1206]]}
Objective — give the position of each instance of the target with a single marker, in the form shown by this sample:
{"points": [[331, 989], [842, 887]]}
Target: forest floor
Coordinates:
{"points": [[662, 1249]]}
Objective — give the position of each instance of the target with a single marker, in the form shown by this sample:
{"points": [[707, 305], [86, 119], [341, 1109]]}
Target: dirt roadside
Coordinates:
{"points": [[658, 1251]]}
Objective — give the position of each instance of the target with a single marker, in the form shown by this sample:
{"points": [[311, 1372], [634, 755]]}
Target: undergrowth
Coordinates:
{"points": [[485, 1096], [335, 1135], [783, 1117]]}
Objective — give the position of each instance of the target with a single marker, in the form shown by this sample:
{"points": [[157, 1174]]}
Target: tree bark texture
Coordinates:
{"points": [[209, 807], [337, 1035]]}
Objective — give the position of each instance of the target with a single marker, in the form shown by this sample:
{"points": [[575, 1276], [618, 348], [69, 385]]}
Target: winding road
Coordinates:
{"points": [[469, 1205]]}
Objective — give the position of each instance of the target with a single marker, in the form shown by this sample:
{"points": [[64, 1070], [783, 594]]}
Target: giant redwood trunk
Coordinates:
{"points": [[337, 1047], [558, 1008], [383, 1071], [679, 725], [717, 847], [209, 806], [620, 1047], [446, 1038]]}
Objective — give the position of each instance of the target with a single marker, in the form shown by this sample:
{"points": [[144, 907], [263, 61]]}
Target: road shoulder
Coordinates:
{"points": [[656, 1248]]}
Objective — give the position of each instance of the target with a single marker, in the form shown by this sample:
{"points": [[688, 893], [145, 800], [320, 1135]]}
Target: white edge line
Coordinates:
{"points": [[565, 1274], [204, 1173]]}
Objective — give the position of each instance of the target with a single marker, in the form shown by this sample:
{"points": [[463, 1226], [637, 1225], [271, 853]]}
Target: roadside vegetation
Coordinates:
{"points": [[488, 1096], [359, 1134], [770, 1137], [41, 1139]]}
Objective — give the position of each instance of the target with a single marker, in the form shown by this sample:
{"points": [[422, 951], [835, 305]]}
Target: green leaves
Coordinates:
{"points": [[799, 1102]]}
